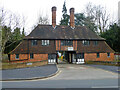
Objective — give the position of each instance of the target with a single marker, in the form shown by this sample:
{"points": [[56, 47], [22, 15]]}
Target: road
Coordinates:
{"points": [[71, 76]]}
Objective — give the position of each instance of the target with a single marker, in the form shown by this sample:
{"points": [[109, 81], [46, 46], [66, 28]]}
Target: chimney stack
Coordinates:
{"points": [[54, 16], [72, 22]]}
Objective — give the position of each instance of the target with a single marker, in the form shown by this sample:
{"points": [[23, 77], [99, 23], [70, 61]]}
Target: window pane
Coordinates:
{"points": [[31, 56], [42, 42], [80, 56], [17, 56], [108, 54], [66, 42], [62, 43], [45, 42], [85, 42], [98, 55], [51, 56], [48, 42], [34, 42], [95, 43]]}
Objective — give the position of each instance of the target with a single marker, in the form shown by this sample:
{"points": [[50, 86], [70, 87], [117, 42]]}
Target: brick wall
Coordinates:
{"points": [[21, 57], [37, 57], [103, 57]]}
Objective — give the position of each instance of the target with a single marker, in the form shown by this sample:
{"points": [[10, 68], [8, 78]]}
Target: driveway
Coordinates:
{"points": [[29, 73]]}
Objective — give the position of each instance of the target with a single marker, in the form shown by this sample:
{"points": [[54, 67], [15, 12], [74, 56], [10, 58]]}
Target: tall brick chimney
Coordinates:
{"points": [[72, 22], [54, 16]]}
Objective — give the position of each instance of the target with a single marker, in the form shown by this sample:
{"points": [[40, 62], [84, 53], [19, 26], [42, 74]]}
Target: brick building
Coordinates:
{"points": [[78, 43]]}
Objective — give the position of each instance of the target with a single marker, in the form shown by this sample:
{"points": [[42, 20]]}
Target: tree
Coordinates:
{"points": [[43, 20], [112, 36], [23, 33], [65, 16], [82, 20], [16, 34], [98, 15], [9, 22], [6, 32]]}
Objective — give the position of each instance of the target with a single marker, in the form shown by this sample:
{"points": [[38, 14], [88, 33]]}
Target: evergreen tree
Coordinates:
{"points": [[82, 20], [14, 40], [112, 36], [23, 33], [65, 16], [17, 34]]}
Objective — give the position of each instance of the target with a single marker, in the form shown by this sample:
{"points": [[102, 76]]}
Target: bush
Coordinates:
{"points": [[5, 58]]}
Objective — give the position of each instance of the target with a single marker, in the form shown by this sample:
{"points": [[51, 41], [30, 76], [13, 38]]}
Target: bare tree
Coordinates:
{"points": [[99, 15], [43, 19], [8, 22]]}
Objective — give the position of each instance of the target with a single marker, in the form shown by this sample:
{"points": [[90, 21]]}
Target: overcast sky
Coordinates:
{"points": [[32, 8]]}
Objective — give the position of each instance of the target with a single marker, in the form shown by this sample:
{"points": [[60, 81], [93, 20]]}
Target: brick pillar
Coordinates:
{"points": [[72, 22], [54, 16]]}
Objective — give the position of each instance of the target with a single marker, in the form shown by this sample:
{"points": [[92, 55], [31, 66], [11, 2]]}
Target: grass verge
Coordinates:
{"points": [[111, 63], [23, 65]]}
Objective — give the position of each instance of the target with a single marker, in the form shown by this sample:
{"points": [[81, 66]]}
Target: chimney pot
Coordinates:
{"points": [[71, 10]]}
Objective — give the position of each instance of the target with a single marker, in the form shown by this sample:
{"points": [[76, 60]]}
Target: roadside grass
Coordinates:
{"points": [[9, 65], [110, 63]]}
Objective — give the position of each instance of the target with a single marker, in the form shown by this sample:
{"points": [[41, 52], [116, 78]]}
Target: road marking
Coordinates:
{"points": [[52, 76]]}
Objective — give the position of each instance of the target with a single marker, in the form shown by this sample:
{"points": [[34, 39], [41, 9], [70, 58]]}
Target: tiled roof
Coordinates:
{"points": [[62, 32]]}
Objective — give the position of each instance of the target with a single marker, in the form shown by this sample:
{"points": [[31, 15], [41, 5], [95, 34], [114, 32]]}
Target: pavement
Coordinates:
{"points": [[29, 73]]}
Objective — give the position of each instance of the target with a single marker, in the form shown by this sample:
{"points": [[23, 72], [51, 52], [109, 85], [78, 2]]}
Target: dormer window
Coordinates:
{"points": [[45, 42], [34, 42]]}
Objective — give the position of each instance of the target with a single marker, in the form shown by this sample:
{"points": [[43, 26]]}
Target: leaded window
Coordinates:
{"points": [[108, 54], [86, 42], [17, 56], [80, 56], [66, 43], [34, 42], [45, 42], [31, 55], [95, 43], [98, 55], [51, 56]]}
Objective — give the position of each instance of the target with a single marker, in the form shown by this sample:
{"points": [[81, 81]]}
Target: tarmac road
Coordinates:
{"points": [[71, 76]]}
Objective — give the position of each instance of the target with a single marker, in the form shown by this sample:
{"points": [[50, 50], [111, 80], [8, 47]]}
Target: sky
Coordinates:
{"points": [[31, 9]]}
